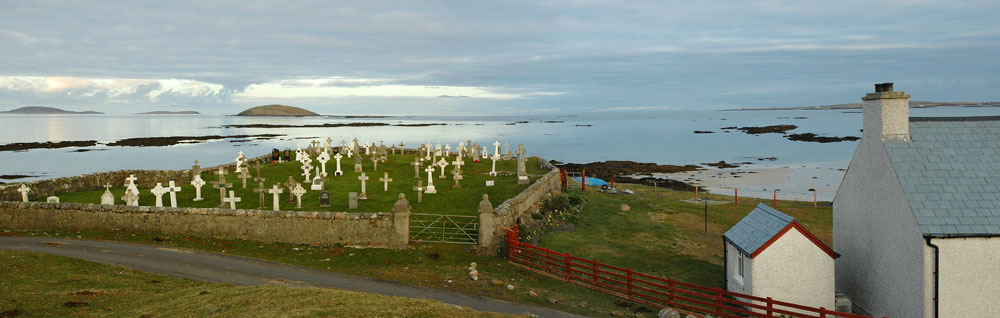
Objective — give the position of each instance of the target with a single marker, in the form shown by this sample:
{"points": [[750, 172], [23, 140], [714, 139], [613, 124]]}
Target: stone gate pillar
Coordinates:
{"points": [[487, 225], [400, 223]]}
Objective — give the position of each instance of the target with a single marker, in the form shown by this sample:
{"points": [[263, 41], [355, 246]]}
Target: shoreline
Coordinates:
{"points": [[793, 181]]}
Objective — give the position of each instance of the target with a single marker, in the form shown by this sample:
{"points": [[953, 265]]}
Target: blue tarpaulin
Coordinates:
{"points": [[592, 181]]}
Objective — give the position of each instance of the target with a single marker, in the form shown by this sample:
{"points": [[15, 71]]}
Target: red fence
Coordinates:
{"points": [[652, 290]]}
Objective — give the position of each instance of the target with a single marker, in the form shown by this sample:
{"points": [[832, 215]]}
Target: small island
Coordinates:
{"points": [[42, 110], [164, 112], [276, 110]]}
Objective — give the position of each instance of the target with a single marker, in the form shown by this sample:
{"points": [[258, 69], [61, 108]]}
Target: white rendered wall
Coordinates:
{"points": [[969, 277], [733, 284], [793, 269]]}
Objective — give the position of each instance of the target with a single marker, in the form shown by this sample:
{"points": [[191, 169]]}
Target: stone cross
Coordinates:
{"points": [[323, 158], [107, 198], [458, 163], [457, 176], [195, 170], [522, 172], [232, 199], [197, 183], [258, 178], [496, 147], [131, 197], [420, 191], [222, 185], [441, 164], [461, 148], [158, 191], [276, 193], [261, 190], [329, 143], [298, 192], [298, 153], [306, 170], [416, 167], [430, 179], [364, 180], [240, 160], [315, 145], [357, 163], [290, 184], [468, 148], [245, 174], [172, 189], [374, 163], [447, 150], [24, 189], [428, 147], [338, 157], [437, 150], [493, 171], [131, 181], [506, 150], [385, 181]]}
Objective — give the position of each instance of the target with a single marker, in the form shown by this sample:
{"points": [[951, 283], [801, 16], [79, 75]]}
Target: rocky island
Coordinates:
{"points": [[276, 110], [42, 110]]}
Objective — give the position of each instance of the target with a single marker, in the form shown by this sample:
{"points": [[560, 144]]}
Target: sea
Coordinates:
{"points": [[661, 137]]}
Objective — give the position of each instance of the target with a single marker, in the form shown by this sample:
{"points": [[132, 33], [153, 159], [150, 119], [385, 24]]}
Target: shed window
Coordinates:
{"points": [[739, 265]]}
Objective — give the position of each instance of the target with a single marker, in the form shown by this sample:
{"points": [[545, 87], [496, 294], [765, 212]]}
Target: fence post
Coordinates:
{"points": [[736, 196], [593, 262], [569, 267], [670, 291], [770, 307], [629, 271], [718, 301], [654, 188], [548, 268], [583, 180], [822, 312]]}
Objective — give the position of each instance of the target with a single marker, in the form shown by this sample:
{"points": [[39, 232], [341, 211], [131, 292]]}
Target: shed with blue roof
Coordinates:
{"points": [[769, 254], [917, 217]]}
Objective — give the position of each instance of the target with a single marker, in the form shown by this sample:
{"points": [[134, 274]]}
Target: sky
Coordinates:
{"points": [[490, 57]]}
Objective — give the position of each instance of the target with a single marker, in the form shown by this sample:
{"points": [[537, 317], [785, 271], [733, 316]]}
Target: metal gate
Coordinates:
{"points": [[574, 181], [442, 228]]}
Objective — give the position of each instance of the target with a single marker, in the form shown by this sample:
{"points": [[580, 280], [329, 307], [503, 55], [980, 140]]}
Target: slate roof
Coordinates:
{"points": [[950, 173], [758, 227]]}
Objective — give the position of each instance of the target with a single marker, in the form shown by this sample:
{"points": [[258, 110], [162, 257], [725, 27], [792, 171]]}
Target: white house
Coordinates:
{"points": [[769, 254], [917, 217]]}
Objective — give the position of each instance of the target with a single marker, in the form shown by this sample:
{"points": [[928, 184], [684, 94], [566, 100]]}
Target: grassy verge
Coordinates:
{"points": [[35, 284]]}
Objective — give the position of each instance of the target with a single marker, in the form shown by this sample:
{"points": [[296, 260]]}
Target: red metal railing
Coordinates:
{"points": [[652, 290]]}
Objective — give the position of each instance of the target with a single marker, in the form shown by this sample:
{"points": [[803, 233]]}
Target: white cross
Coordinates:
{"points": [[24, 189], [461, 147], [447, 150], [240, 160], [232, 199], [430, 179], [298, 192], [496, 147], [298, 154], [197, 183], [276, 191], [493, 171], [458, 162], [323, 158], [305, 172], [131, 180], [364, 193], [173, 189], [338, 172], [385, 181], [159, 191], [441, 164]]}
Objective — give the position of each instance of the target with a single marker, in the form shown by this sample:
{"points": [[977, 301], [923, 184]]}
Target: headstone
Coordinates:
{"points": [[385, 181], [490, 183], [240, 160], [352, 200], [172, 190], [441, 164], [260, 190], [496, 148], [275, 192], [158, 191], [287, 156], [364, 181], [24, 189], [232, 199], [486, 153], [357, 163], [222, 185], [522, 172], [458, 163], [195, 170], [420, 191], [107, 198], [245, 174], [131, 197], [457, 176], [493, 170], [428, 148], [430, 179], [52, 199], [306, 172], [298, 153], [461, 148], [298, 192], [506, 150], [317, 184], [324, 199], [323, 158], [290, 184], [447, 150], [338, 172], [374, 162], [416, 167], [328, 146], [197, 183], [275, 154]]}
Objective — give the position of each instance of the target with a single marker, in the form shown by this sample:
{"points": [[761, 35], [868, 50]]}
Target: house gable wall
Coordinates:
{"points": [[794, 269]]}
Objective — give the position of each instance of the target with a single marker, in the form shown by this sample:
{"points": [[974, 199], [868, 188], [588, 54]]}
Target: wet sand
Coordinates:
{"points": [[792, 181]]}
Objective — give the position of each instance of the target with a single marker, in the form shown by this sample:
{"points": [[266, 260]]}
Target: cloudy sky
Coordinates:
{"points": [[475, 57]]}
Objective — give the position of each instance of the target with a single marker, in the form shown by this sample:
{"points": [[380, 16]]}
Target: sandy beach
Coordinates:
{"points": [[793, 182]]}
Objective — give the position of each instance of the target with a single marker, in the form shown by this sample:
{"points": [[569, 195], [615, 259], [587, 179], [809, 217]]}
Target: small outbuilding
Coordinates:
{"points": [[769, 254]]}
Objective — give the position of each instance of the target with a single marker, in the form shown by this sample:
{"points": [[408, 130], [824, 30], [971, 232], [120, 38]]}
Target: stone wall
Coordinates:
{"points": [[508, 213], [351, 229], [42, 189]]}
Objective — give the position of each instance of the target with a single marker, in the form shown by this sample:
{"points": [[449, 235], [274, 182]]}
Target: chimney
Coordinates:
{"points": [[886, 114]]}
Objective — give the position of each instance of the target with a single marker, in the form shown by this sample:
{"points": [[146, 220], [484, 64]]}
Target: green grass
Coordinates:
{"points": [[35, 284], [462, 201], [661, 236]]}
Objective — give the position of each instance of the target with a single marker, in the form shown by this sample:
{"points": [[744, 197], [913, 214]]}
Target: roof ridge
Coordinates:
{"points": [[774, 212]]}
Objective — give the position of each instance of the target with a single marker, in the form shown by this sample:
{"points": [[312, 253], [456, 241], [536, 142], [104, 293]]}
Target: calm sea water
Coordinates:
{"points": [[665, 138]]}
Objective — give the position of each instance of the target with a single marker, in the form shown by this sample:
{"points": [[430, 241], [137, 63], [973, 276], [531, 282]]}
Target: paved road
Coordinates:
{"points": [[213, 267]]}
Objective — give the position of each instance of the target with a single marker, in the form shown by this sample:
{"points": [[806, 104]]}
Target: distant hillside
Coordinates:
{"points": [[913, 104], [45, 110], [163, 112], [276, 110]]}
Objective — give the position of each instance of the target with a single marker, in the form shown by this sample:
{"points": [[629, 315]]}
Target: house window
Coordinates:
{"points": [[739, 265]]}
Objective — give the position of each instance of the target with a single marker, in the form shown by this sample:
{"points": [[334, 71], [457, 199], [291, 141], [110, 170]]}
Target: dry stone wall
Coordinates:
{"points": [[327, 228], [508, 213]]}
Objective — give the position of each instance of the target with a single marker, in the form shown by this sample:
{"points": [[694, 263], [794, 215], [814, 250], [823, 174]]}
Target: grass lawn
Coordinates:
{"points": [[462, 201], [35, 284], [661, 236]]}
